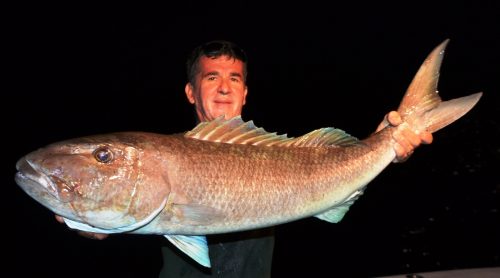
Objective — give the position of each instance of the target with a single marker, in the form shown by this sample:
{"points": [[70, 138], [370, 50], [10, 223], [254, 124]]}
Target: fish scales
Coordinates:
{"points": [[254, 185]]}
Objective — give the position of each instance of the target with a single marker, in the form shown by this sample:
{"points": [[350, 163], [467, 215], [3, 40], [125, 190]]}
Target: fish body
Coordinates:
{"points": [[224, 175]]}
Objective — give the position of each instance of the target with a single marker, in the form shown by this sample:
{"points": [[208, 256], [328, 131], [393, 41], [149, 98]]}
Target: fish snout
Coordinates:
{"points": [[30, 173]]}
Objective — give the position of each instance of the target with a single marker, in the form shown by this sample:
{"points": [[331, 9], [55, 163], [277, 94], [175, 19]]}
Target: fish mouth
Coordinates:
{"points": [[43, 188], [29, 176]]}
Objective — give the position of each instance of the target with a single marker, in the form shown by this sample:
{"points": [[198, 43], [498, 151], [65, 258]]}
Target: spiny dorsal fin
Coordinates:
{"points": [[236, 131]]}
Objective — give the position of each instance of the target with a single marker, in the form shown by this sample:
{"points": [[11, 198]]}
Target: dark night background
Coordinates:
{"points": [[85, 70]]}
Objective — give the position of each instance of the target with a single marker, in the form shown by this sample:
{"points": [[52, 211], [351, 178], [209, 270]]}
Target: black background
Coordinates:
{"points": [[84, 70]]}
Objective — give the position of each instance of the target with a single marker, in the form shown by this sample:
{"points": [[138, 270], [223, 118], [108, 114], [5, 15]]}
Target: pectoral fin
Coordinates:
{"points": [[193, 214], [85, 227], [194, 246]]}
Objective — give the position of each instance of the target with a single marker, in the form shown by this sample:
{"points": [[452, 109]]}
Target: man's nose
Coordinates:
{"points": [[224, 87]]}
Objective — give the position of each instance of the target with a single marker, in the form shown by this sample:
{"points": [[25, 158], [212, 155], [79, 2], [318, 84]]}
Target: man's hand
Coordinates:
{"points": [[85, 234], [406, 140]]}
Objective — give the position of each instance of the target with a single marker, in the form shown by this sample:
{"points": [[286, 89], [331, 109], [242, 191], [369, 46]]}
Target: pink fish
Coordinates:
{"points": [[224, 175]]}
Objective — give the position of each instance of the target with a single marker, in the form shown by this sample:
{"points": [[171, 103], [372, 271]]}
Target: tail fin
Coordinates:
{"points": [[422, 108]]}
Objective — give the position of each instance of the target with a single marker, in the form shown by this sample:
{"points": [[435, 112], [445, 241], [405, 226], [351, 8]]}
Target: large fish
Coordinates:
{"points": [[224, 175]]}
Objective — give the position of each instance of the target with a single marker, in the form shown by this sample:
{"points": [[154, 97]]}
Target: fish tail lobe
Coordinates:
{"points": [[422, 107]]}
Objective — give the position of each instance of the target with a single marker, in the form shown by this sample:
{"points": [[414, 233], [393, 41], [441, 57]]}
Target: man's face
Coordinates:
{"points": [[219, 90]]}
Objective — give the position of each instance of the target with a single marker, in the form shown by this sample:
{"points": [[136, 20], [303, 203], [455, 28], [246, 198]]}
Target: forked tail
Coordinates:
{"points": [[422, 108]]}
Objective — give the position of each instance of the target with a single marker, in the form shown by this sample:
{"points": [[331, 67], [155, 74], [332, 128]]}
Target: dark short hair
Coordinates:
{"points": [[214, 49]]}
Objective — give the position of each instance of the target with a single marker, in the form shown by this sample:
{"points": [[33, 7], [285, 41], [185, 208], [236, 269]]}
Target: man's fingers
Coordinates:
{"points": [[412, 139], [426, 137], [394, 118], [406, 139], [401, 153], [59, 219], [93, 235], [85, 234]]}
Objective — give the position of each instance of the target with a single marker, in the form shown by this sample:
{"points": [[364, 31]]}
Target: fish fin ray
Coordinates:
{"points": [[194, 246], [236, 131], [334, 215], [422, 107], [75, 225], [194, 214], [337, 213], [449, 111], [325, 137]]}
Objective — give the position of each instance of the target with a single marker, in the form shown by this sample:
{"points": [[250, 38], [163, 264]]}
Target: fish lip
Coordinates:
{"points": [[29, 172]]}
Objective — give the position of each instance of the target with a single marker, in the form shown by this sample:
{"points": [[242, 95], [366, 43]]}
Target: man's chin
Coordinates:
{"points": [[223, 112]]}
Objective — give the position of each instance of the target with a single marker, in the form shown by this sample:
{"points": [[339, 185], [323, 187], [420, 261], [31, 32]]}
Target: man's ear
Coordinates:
{"points": [[245, 95], [189, 92]]}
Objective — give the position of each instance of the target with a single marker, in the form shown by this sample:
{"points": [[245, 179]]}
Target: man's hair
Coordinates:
{"points": [[213, 50]]}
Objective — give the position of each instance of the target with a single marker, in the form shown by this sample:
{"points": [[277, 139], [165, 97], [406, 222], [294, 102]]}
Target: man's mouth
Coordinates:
{"points": [[223, 101]]}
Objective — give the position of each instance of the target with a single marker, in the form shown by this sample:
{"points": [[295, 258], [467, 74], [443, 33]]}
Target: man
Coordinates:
{"points": [[216, 86]]}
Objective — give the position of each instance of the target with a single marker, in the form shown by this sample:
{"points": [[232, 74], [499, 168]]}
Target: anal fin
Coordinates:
{"points": [[194, 246], [336, 214]]}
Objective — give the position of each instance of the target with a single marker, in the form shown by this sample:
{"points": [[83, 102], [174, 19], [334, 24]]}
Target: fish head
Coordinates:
{"points": [[92, 180]]}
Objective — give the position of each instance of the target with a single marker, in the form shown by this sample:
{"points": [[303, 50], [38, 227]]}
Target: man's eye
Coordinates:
{"points": [[211, 78]]}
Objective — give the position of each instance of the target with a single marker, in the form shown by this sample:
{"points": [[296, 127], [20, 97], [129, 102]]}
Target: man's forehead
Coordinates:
{"points": [[221, 61]]}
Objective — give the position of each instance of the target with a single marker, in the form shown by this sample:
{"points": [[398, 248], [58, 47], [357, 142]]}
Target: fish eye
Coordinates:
{"points": [[103, 155]]}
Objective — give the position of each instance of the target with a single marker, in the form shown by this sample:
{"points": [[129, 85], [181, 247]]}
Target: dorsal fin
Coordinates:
{"points": [[327, 136], [236, 131]]}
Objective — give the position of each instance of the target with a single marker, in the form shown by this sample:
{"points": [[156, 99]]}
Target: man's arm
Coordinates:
{"points": [[406, 140]]}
